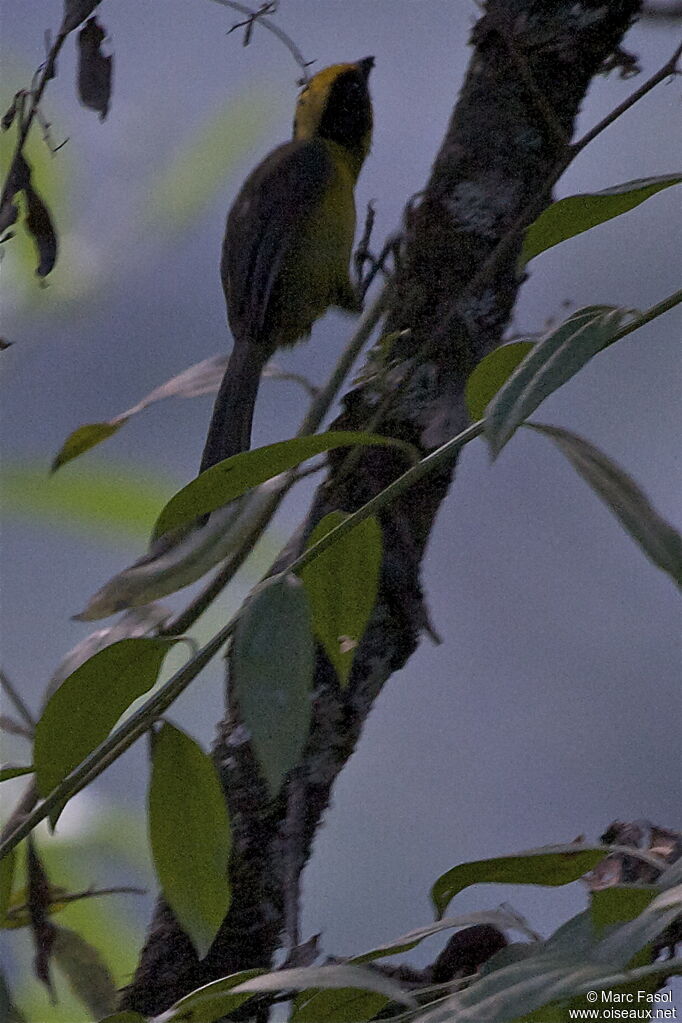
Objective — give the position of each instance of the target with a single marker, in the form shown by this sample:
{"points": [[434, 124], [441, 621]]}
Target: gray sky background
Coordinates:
{"points": [[553, 705]]}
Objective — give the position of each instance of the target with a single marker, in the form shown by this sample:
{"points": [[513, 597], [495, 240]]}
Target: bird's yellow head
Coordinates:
{"points": [[335, 106]]}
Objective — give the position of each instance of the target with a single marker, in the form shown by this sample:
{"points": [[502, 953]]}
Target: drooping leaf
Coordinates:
{"points": [[43, 931], [491, 373], [39, 225], [554, 359], [274, 655], [549, 865], [202, 378], [212, 1001], [82, 439], [88, 975], [190, 835], [342, 586], [94, 69], [82, 711], [577, 213], [660, 541], [232, 477], [12, 771]]}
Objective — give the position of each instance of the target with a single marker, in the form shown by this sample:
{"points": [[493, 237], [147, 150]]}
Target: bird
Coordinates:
{"points": [[288, 242]]}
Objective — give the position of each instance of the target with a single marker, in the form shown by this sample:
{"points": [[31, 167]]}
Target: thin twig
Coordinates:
{"points": [[271, 27], [27, 117], [17, 700], [62, 898]]}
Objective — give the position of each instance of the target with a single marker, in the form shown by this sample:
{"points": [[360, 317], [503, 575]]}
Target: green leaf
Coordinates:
{"points": [[212, 1001], [274, 656], [660, 541], [14, 772], [341, 585], [201, 378], [82, 711], [190, 835], [554, 359], [342, 976], [550, 865], [111, 504], [343, 1005], [577, 213], [7, 864], [491, 373], [232, 477], [87, 973], [618, 903], [82, 439]]}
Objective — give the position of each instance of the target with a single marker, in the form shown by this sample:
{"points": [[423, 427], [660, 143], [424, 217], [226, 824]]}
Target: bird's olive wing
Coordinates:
{"points": [[267, 221]]}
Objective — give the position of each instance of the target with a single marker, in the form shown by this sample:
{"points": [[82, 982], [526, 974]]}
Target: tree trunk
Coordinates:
{"points": [[456, 285]]}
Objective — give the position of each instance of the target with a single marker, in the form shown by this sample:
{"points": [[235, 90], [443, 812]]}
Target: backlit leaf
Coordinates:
{"points": [[577, 213], [342, 586], [82, 711], [273, 656], [232, 477], [190, 835]]}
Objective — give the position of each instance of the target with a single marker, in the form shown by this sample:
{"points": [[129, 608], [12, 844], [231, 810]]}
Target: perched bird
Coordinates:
{"points": [[288, 242]]}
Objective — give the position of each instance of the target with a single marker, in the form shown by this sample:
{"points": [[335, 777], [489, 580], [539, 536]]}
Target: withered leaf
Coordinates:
{"points": [[42, 928], [40, 227], [94, 69], [75, 12]]}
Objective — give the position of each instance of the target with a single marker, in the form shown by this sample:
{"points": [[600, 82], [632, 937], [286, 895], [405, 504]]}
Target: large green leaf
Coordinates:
{"points": [[342, 586], [553, 360], [232, 477], [10, 771], [549, 865], [82, 711], [491, 373], [577, 213], [660, 541], [190, 835], [212, 1001], [88, 975], [274, 655]]}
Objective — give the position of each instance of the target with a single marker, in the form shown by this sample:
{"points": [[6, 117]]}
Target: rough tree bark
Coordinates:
{"points": [[531, 65]]}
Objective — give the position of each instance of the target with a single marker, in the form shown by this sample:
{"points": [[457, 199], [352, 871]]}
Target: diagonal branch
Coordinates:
{"points": [[495, 162]]}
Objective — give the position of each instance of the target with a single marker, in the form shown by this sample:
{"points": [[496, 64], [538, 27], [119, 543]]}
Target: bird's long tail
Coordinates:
{"points": [[230, 430]]}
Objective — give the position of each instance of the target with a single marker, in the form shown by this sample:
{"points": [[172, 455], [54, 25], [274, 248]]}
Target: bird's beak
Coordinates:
{"points": [[365, 66]]}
